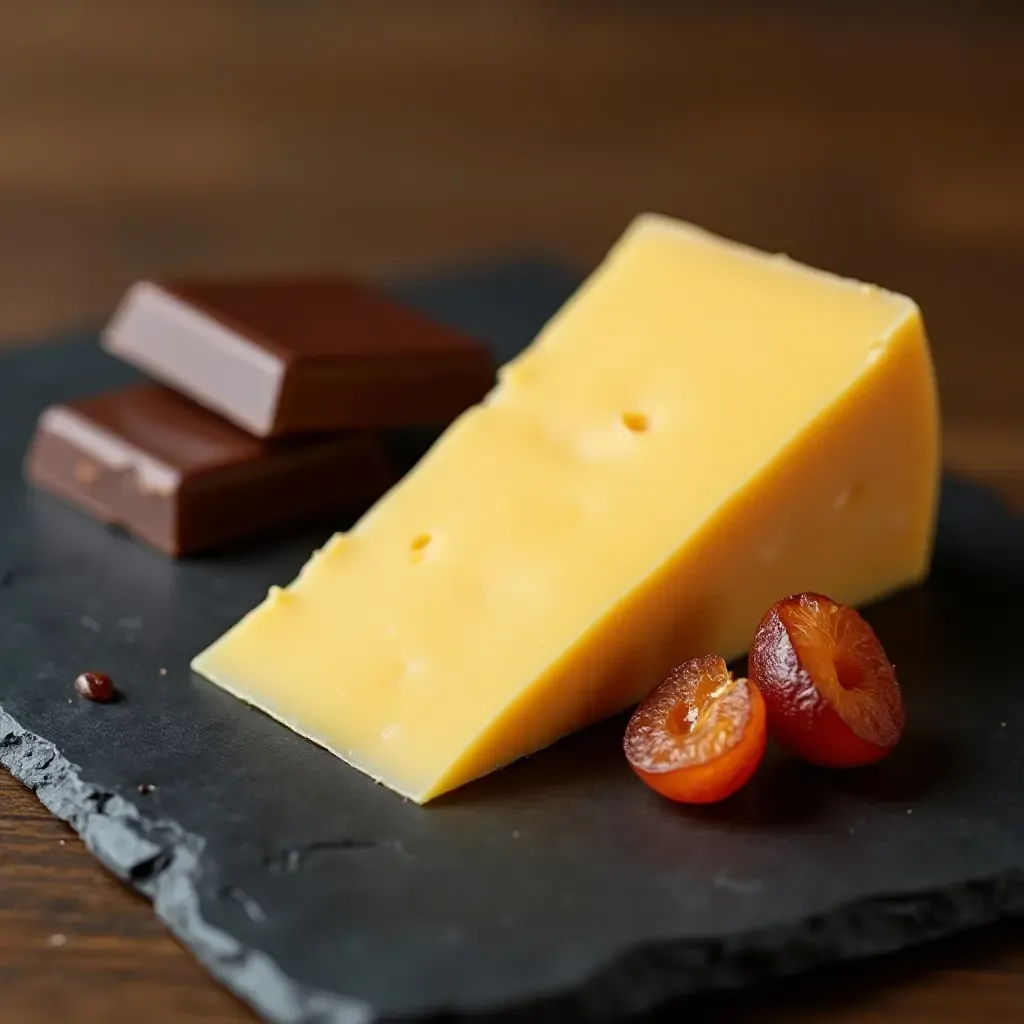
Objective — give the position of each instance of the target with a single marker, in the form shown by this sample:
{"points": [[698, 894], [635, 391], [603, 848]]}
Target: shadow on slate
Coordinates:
{"points": [[557, 889]]}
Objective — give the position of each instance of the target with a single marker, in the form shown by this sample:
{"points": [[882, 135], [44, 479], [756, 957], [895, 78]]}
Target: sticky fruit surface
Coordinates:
{"points": [[700, 735], [830, 692]]}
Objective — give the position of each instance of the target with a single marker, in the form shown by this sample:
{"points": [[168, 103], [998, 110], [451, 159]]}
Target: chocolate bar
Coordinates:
{"points": [[186, 481], [284, 357]]}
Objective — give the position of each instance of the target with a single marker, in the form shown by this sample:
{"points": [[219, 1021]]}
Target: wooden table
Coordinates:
{"points": [[883, 140]]}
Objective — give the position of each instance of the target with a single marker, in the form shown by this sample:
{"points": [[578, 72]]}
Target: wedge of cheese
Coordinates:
{"points": [[701, 430]]}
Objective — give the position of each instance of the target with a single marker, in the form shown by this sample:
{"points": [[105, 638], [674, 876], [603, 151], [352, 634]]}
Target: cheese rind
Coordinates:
{"points": [[701, 430]]}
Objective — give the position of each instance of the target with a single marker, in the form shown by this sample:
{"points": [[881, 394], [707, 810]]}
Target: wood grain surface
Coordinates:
{"points": [[882, 140]]}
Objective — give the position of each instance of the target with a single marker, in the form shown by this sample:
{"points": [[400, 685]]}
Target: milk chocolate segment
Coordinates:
{"points": [[185, 481], [283, 357]]}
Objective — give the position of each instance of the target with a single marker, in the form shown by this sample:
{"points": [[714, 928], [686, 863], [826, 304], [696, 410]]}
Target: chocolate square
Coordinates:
{"points": [[280, 356], [186, 481]]}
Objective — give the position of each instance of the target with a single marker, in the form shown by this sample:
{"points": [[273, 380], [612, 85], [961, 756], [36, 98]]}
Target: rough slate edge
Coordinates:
{"points": [[161, 860]]}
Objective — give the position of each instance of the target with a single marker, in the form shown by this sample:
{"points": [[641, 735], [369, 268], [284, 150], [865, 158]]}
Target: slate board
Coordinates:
{"points": [[557, 889]]}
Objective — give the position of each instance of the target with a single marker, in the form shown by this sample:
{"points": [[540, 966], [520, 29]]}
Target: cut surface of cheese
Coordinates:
{"points": [[701, 430]]}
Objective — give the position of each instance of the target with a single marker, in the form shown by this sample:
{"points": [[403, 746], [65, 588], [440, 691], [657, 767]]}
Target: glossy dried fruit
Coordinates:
{"points": [[700, 735], [831, 693]]}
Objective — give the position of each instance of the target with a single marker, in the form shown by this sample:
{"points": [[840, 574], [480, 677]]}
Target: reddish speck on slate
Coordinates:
{"points": [[97, 686]]}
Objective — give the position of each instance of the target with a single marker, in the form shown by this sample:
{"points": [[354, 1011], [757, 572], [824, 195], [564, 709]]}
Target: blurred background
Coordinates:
{"points": [[879, 139]]}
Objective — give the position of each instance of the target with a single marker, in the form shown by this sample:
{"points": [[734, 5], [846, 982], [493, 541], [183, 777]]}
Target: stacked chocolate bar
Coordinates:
{"points": [[271, 400]]}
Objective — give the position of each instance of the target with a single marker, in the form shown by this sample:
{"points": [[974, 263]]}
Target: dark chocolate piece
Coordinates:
{"points": [[182, 479], [97, 686], [293, 356]]}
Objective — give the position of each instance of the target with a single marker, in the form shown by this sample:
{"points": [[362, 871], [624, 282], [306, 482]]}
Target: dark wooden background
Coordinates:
{"points": [[882, 140]]}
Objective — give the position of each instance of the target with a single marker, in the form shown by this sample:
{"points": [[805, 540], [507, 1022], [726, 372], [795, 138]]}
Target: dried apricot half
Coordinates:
{"points": [[831, 693], [700, 734]]}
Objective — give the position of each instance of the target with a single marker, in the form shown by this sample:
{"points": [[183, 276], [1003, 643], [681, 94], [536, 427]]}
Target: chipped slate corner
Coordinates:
{"points": [[161, 861]]}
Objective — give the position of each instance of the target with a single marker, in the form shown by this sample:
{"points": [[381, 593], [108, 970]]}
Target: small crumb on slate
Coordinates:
{"points": [[1002, 725], [57, 940], [90, 623], [145, 788], [97, 686], [910, 810], [163, 671]]}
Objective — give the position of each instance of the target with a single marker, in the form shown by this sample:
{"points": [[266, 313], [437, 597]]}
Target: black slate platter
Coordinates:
{"points": [[557, 889]]}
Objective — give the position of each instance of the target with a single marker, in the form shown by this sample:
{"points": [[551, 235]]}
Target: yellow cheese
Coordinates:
{"points": [[701, 430]]}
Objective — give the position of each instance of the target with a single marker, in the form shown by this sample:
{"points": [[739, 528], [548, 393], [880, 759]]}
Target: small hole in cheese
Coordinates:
{"points": [[419, 542], [637, 422]]}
